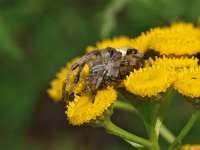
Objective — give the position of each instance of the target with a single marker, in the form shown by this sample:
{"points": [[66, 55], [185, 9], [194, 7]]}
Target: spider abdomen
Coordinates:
{"points": [[113, 67]]}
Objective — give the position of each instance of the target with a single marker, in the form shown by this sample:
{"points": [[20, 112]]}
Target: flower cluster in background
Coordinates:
{"points": [[190, 147]]}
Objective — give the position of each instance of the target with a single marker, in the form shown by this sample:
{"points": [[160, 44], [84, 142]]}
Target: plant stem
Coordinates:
{"points": [[150, 117], [136, 145], [125, 106], [166, 134], [164, 105], [109, 16], [164, 131], [113, 129], [153, 137], [190, 123]]}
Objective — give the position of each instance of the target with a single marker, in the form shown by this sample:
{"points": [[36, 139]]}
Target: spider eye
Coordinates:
{"points": [[131, 51]]}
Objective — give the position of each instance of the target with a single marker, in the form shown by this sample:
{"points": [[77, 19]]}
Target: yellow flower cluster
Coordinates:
{"points": [[190, 147], [87, 107], [149, 81], [159, 74], [177, 39], [164, 73]]}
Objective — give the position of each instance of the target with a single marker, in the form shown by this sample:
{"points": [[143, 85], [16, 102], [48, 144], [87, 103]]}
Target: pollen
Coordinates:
{"points": [[175, 63], [86, 108], [55, 91], [117, 42], [150, 81], [188, 82]]}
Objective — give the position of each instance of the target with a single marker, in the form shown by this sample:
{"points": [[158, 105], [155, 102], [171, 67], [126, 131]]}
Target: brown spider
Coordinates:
{"points": [[106, 67]]}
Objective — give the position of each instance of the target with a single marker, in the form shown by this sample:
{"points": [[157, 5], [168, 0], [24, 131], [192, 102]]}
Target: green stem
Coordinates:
{"points": [[153, 137], [125, 106], [166, 134], [164, 105], [150, 117], [190, 123], [164, 131], [113, 129], [136, 145], [109, 16]]}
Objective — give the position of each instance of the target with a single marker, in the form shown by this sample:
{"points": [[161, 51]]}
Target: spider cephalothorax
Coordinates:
{"points": [[106, 67]]}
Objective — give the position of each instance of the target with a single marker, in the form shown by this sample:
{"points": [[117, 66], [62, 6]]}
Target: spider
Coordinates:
{"points": [[106, 67]]}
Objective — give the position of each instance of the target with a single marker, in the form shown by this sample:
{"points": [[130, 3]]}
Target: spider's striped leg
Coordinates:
{"points": [[86, 60], [76, 79], [64, 92], [81, 63]]}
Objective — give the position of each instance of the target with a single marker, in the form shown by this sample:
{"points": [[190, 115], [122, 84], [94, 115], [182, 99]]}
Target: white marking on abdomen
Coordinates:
{"points": [[122, 50]]}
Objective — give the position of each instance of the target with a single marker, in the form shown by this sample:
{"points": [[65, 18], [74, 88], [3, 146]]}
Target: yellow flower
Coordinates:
{"points": [[117, 42], [149, 81], [141, 42], [83, 109], [184, 27], [188, 82], [55, 92], [177, 39], [176, 63], [190, 147]]}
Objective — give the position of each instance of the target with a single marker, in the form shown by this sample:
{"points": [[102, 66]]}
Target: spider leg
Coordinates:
{"points": [[85, 59], [149, 62], [76, 79], [99, 81], [64, 93]]}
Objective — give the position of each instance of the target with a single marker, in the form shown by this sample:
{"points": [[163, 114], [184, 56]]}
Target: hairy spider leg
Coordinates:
{"points": [[79, 64], [64, 93]]}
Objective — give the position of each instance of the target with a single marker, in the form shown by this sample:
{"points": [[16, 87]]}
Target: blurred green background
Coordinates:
{"points": [[38, 37]]}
